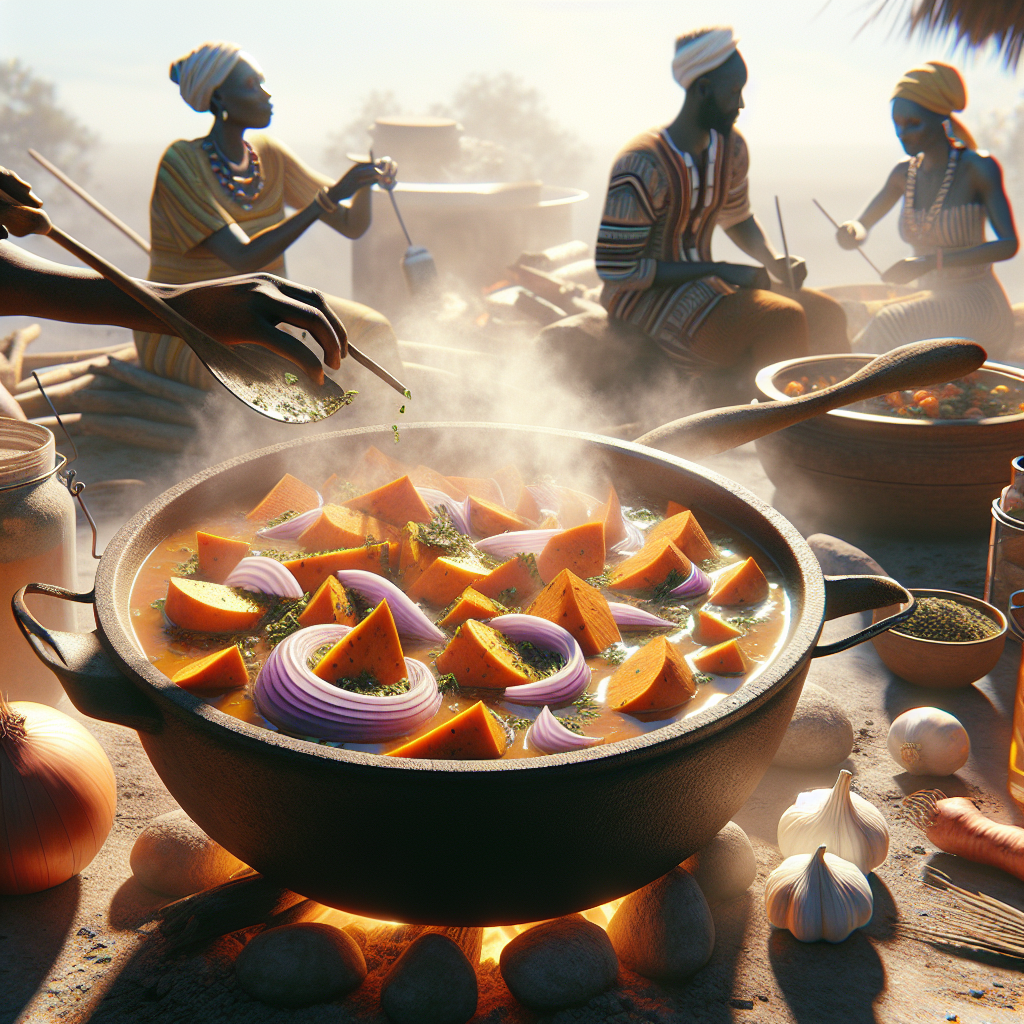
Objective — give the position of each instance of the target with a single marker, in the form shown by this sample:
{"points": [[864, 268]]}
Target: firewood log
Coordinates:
{"points": [[137, 433], [128, 403], [11, 372], [69, 371], [61, 395], [151, 384], [38, 360]]}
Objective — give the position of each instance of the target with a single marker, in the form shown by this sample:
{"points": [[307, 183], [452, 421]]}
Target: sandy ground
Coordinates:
{"points": [[85, 950]]}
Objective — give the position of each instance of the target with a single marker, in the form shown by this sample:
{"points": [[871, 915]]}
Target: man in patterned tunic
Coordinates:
{"points": [[669, 189]]}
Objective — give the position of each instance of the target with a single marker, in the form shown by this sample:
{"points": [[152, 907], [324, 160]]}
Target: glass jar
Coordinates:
{"points": [[37, 545], [1004, 573], [1015, 779]]}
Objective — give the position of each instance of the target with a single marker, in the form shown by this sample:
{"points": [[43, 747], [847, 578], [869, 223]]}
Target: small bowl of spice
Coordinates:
{"points": [[951, 640]]}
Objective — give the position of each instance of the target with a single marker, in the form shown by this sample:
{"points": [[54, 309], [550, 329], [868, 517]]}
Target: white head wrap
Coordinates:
{"points": [[204, 69], [698, 54]]}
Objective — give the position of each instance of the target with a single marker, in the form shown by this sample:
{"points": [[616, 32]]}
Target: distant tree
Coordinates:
{"points": [[355, 137]]}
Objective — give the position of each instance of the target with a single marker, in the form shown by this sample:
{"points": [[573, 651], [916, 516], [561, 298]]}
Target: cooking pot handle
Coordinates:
{"points": [[845, 595], [93, 682]]}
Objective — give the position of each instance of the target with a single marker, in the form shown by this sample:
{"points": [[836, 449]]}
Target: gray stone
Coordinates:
{"points": [[432, 982], [665, 930], [838, 558], [819, 735], [726, 867], [559, 963], [300, 964]]}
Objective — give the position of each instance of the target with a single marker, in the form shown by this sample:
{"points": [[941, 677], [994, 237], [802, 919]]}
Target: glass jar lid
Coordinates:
{"points": [[27, 452]]}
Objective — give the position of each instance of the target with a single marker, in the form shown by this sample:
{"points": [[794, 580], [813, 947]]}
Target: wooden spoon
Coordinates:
{"points": [[920, 364], [259, 378]]}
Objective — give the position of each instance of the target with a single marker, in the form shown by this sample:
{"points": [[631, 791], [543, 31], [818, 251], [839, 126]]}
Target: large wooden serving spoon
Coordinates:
{"points": [[259, 378], [920, 364]]}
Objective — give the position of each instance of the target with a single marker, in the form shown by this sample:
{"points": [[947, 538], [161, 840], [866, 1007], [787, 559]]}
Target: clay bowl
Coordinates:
{"points": [[854, 470], [936, 663]]}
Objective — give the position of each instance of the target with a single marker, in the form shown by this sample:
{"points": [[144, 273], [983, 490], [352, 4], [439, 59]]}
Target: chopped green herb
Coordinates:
{"points": [[366, 683], [746, 620], [642, 515], [539, 661], [586, 706], [599, 582], [342, 490], [440, 532], [290, 378], [401, 411], [189, 567], [394, 430], [512, 724], [287, 622], [407, 393], [663, 591], [447, 684], [317, 656], [711, 564], [158, 604], [614, 655], [702, 678], [282, 518], [939, 618]]}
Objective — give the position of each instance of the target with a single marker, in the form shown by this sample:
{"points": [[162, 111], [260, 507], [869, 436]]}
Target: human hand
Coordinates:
{"points": [[851, 234], [796, 264], [16, 188], [247, 310], [910, 269], [379, 172], [742, 276]]}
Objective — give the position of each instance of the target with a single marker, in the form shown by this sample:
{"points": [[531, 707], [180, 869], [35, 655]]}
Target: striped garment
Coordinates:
{"points": [[964, 302], [663, 205]]}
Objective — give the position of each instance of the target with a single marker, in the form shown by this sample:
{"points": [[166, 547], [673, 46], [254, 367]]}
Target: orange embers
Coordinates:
{"points": [[685, 532], [470, 605], [580, 609], [396, 503], [372, 649], [479, 655], [287, 495], [724, 660], [579, 549], [209, 607], [218, 555], [222, 670], [330, 605], [655, 678], [473, 735], [743, 583], [650, 567]]}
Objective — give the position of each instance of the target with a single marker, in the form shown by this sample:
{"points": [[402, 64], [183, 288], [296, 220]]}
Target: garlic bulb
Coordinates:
{"points": [[818, 896], [847, 824], [927, 741]]}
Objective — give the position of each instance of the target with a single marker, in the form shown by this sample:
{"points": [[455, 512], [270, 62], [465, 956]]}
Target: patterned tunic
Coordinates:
{"points": [[663, 205]]}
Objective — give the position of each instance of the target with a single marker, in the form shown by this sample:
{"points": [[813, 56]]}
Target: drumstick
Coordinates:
{"points": [[859, 249], [785, 247]]}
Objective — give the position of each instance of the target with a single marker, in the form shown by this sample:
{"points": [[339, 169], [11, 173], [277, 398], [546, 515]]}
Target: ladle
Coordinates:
{"points": [[919, 364], [266, 382]]}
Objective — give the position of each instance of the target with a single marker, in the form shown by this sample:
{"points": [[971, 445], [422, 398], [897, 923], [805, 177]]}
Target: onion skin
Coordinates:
{"points": [[58, 797], [696, 583], [564, 685], [548, 735]]}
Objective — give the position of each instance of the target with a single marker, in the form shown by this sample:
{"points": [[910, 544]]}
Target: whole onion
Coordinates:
{"points": [[564, 685], [287, 693], [264, 576], [549, 735], [410, 619]]}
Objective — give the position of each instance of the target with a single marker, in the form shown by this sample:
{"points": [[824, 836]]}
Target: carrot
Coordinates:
{"points": [[471, 604], [397, 503], [743, 583], [217, 672], [473, 735], [685, 532], [575, 605], [372, 647], [650, 566], [218, 555], [478, 655], [654, 678], [610, 513], [287, 495], [488, 519], [579, 549], [329, 605], [209, 607], [443, 580]]}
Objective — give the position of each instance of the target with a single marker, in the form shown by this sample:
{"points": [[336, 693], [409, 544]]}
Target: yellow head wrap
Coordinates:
{"points": [[940, 88]]}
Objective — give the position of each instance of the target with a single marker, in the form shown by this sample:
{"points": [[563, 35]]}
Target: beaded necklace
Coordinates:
{"points": [[244, 188]]}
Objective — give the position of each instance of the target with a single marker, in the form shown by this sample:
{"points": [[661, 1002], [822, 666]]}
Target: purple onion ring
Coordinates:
{"points": [[264, 576], [696, 583], [505, 545], [410, 619], [568, 682], [629, 616], [548, 735], [291, 528]]}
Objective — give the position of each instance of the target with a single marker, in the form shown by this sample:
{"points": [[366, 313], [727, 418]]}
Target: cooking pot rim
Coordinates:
{"points": [[807, 602]]}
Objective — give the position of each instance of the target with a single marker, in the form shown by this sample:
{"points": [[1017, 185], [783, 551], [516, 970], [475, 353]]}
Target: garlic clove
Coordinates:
{"points": [[928, 741], [818, 896], [849, 826]]}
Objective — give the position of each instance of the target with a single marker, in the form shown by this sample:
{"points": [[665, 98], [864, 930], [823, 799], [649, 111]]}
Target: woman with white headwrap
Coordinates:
{"points": [[218, 207]]}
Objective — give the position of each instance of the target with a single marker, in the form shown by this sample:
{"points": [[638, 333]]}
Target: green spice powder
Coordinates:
{"points": [[939, 618]]}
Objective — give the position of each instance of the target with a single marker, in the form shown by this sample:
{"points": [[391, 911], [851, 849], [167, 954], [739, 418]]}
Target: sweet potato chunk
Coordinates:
{"points": [[478, 655], [218, 555], [610, 513], [650, 567], [722, 660], [312, 570], [397, 503], [518, 574], [685, 532], [579, 549], [372, 647], [424, 476], [527, 506], [209, 607], [487, 519], [443, 580], [375, 468], [217, 672], [743, 583], [655, 678], [471, 604], [510, 483], [474, 735], [330, 605], [674, 508], [578, 607], [709, 629], [341, 527], [478, 487], [573, 507], [287, 495]]}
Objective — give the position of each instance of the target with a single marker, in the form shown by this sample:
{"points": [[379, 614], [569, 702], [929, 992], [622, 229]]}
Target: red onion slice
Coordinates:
{"points": [[265, 576], [457, 510], [547, 734], [696, 583], [636, 618], [288, 694], [547, 498], [505, 545], [632, 542], [291, 528], [410, 619], [568, 682]]}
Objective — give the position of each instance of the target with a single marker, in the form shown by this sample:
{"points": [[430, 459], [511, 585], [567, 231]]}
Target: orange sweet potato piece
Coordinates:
{"points": [[510, 483], [573, 507], [376, 468], [329, 605], [471, 604], [710, 629], [743, 583], [649, 567], [527, 506], [478, 655], [312, 570], [610, 513], [685, 532], [287, 495], [209, 607], [674, 508], [519, 574], [575, 605], [443, 580], [341, 527], [217, 672], [397, 503], [372, 647], [579, 549], [722, 660], [415, 556], [473, 735], [219, 555], [424, 476], [478, 487], [487, 519], [655, 678]]}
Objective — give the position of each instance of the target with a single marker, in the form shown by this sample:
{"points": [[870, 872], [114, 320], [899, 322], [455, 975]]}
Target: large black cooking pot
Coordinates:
{"points": [[447, 841]]}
